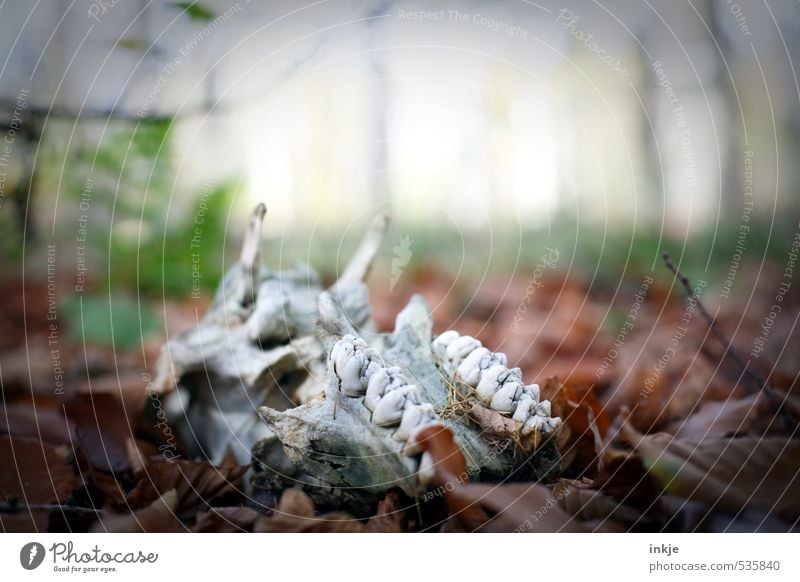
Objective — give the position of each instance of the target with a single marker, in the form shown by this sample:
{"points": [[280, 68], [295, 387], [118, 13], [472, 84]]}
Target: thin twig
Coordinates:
{"points": [[755, 380]]}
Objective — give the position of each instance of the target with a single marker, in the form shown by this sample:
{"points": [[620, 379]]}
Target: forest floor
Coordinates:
{"points": [[665, 429]]}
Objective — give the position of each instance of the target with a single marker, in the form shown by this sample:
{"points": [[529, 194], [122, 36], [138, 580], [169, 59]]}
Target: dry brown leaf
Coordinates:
{"points": [[196, 484], [227, 520], [295, 514], [389, 516], [729, 474], [37, 422], [33, 472], [591, 505], [752, 414], [102, 429], [159, 516], [518, 507]]}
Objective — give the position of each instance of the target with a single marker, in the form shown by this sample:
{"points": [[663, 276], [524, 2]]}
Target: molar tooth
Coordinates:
{"points": [[414, 415], [505, 398], [459, 349], [543, 408], [389, 409], [476, 363], [439, 345], [376, 387], [533, 391], [490, 383], [524, 406], [358, 370], [469, 370]]}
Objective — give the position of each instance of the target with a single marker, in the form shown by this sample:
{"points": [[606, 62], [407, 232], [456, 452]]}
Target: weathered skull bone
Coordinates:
{"points": [[276, 340], [257, 345], [358, 439]]}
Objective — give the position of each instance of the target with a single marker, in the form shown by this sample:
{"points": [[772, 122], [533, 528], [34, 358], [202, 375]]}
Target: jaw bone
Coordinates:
{"points": [[357, 439]]}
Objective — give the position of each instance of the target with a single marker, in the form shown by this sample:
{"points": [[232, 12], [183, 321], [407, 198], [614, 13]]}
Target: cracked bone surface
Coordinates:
{"points": [[294, 377], [357, 440], [257, 345]]}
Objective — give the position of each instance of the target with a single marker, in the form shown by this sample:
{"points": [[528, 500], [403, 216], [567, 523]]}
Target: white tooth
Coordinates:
{"points": [[389, 409], [340, 355], [552, 423], [374, 363], [414, 415], [469, 370], [441, 342], [533, 390], [489, 383], [427, 469], [534, 423], [524, 406], [505, 398], [351, 377], [543, 408], [376, 387], [460, 348]]}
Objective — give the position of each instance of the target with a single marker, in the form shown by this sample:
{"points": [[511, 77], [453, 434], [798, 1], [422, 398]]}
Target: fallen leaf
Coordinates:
{"points": [[592, 505], [227, 520], [728, 473], [197, 484], [295, 514], [37, 422], [518, 507], [33, 472], [389, 516], [752, 414], [102, 429], [159, 516]]}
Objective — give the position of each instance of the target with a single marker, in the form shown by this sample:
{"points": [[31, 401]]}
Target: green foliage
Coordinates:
{"points": [[166, 261], [110, 320], [196, 11]]}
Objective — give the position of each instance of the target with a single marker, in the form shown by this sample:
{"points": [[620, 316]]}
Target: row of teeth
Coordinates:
{"points": [[465, 360], [387, 393]]}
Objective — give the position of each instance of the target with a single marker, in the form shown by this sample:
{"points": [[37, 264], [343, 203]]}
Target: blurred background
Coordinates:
{"points": [[137, 137]]}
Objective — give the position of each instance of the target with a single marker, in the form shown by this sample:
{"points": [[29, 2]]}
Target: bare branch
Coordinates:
{"points": [[755, 381]]}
